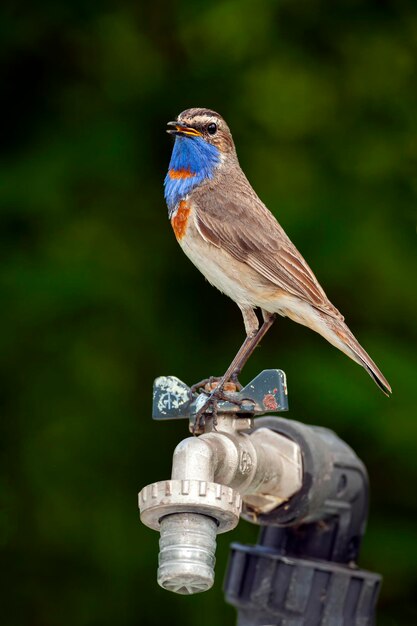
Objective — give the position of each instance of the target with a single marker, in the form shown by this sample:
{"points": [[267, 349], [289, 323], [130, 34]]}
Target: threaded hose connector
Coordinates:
{"points": [[189, 514], [187, 549]]}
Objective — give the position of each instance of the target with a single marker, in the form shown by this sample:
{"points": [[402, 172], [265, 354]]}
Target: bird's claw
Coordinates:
{"points": [[234, 379], [213, 387], [212, 401], [201, 385]]}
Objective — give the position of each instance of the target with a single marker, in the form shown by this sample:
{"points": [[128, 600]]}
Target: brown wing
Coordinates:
{"points": [[242, 225]]}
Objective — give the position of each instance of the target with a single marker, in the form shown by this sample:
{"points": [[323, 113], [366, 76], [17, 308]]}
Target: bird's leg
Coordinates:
{"points": [[248, 346], [269, 319], [254, 336], [251, 326]]}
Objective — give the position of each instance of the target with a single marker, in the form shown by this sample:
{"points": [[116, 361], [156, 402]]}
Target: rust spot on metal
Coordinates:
{"points": [[180, 220], [270, 402], [228, 387]]}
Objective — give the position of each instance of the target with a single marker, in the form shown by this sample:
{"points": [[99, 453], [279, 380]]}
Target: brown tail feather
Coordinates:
{"points": [[360, 356], [337, 333]]}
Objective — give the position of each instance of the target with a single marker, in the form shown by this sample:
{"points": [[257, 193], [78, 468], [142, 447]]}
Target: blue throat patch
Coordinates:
{"points": [[193, 160]]}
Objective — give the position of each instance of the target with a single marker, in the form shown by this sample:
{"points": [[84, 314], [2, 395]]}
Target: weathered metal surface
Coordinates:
{"points": [[267, 393]]}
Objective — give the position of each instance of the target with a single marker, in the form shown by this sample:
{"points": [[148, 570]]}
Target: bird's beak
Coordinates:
{"points": [[182, 129]]}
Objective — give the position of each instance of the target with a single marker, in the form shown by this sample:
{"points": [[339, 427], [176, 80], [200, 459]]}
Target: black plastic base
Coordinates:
{"points": [[271, 589], [303, 570]]}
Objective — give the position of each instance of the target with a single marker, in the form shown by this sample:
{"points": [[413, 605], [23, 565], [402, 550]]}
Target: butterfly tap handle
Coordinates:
{"points": [[266, 393]]}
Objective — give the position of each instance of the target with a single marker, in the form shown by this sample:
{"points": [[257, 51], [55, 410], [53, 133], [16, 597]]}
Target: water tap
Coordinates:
{"points": [[230, 470]]}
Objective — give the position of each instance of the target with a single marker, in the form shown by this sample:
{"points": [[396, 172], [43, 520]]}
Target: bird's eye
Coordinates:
{"points": [[212, 128]]}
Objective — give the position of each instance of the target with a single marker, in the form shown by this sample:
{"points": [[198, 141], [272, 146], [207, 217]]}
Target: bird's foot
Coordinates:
{"points": [[200, 387], [210, 404], [216, 391], [208, 384], [234, 379], [200, 417]]}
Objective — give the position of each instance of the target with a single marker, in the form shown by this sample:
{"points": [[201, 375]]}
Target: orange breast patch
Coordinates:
{"points": [[180, 220], [179, 174]]}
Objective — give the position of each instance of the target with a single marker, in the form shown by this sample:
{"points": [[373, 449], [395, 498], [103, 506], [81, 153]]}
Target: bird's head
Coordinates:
{"points": [[205, 126], [203, 143]]}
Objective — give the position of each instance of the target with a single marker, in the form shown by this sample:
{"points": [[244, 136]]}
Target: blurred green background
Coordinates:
{"points": [[98, 299]]}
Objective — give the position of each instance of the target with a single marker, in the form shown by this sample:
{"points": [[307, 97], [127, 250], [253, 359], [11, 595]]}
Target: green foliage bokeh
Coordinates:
{"points": [[97, 298]]}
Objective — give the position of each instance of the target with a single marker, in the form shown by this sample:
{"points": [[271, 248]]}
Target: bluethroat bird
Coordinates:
{"points": [[236, 242]]}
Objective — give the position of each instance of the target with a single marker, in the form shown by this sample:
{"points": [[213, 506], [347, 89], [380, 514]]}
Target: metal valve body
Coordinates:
{"points": [[213, 476]]}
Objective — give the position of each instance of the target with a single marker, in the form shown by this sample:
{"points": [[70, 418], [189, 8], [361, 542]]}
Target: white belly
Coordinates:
{"points": [[231, 277]]}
